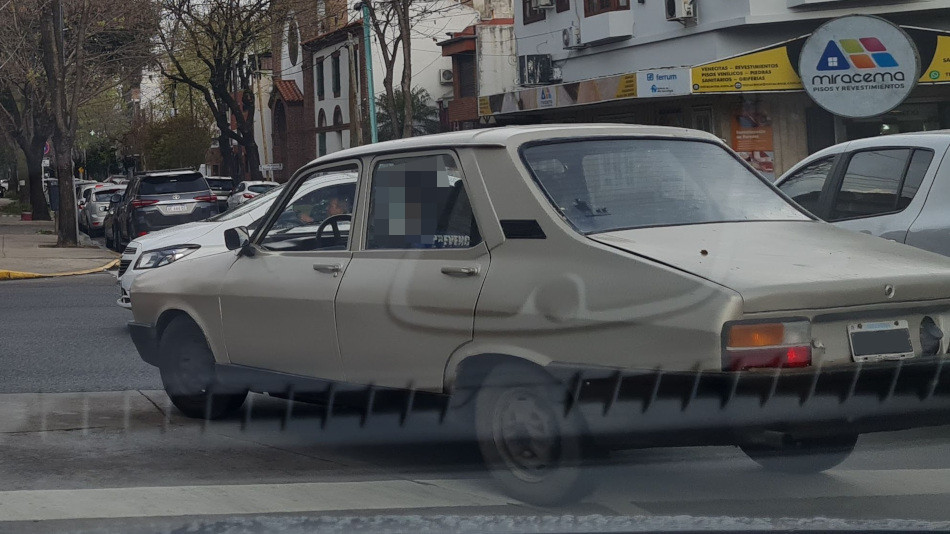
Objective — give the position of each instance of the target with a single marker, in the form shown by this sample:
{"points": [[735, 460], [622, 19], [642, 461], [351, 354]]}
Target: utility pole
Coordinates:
{"points": [[355, 101], [370, 88]]}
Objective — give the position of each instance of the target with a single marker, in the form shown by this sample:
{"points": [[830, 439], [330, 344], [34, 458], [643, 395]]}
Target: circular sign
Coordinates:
{"points": [[859, 66], [46, 149]]}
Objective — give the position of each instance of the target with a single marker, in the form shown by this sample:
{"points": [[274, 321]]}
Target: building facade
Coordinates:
{"points": [[730, 67]]}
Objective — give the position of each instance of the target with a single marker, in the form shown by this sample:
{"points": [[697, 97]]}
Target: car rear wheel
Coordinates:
{"points": [[188, 373], [803, 456], [533, 450], [110, 240]]}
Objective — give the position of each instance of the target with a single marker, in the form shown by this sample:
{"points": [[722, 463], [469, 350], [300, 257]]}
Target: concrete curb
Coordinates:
{"points": [[17, 275]]}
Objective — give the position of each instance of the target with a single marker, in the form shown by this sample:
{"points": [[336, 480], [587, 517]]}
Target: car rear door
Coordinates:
{"points": [[876, 190], [407, 300], [931, 230], [277, 304]]}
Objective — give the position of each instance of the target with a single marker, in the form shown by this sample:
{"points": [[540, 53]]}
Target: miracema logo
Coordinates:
{"points": [[862, 54]]}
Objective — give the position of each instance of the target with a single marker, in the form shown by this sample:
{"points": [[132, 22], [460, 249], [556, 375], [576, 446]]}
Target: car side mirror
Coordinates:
{"points": [[236, 238], [115, 199]]}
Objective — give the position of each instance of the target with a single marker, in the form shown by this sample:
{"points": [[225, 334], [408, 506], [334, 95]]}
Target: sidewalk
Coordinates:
{"points": [[27, 250]]}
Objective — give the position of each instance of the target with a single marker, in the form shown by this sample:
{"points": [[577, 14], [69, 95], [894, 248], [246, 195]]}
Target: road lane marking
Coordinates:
{"points": [[168, 501]]}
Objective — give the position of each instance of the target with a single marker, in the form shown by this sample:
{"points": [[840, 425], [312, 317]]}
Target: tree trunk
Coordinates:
{"points": [[253, 158], [66, 228], [34, 169], [407, 111]]}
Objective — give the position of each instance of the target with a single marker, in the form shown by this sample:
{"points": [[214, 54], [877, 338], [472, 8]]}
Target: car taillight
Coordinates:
{"points": [[143, 203], [140, 234], [769, 345], [248, 195], [207, 198]]}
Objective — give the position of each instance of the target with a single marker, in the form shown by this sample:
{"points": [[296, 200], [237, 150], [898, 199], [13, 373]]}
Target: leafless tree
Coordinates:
{"points": [[87, 47], [24, 109], [208, 45]]}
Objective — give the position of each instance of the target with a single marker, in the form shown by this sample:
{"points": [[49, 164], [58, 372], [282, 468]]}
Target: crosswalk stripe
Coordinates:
{"points": [[168, 501]]}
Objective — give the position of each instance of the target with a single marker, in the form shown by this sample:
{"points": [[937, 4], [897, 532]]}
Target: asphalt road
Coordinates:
{"points": [[67, 334], [89, 443]]}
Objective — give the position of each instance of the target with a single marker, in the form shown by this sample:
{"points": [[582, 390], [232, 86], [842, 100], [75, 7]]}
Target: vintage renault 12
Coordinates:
{"points": [[568, 289]]}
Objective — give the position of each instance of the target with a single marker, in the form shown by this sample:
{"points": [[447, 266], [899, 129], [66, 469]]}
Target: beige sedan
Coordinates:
{"points": [[567, 289]]}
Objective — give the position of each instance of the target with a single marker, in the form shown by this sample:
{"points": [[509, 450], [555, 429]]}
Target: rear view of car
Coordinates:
{"points": [[95, 209], [221, 186], [163, 200]]}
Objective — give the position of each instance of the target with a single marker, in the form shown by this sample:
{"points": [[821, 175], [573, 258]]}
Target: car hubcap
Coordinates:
{"points": [[525, 434]]}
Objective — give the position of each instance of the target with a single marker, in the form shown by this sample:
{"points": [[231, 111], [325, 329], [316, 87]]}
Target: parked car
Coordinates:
{"points": [[895, 186], [4, 186], [187, 241], [157, 200], [221, 186], [564, 289], [94, 206], [108, 221], [248, 190], [117, 179]]}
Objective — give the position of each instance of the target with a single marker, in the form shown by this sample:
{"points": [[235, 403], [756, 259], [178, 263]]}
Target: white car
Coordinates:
{"points": [[204, 238], [248, 190], [205, 234]]}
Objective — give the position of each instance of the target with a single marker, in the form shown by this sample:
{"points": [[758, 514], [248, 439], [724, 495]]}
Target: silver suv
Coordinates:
{"points": [[158, 200]]}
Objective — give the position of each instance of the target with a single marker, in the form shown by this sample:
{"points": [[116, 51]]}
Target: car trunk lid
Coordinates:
{"points": [[785, 265]]}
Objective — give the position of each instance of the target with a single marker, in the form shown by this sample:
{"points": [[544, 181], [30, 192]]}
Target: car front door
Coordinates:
{"points": [[277, 304], [407, 300]]}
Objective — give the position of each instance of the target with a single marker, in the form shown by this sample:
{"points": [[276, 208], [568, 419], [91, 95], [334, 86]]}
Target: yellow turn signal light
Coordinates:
{"points": [[756, 335]]}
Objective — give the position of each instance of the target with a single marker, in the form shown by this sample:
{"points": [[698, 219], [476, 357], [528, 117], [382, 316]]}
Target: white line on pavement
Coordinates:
{"points": [[35, 505]]}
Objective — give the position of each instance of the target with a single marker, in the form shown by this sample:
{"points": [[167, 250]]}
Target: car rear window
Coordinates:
{"points": [[164, 185], [105, 195], [220, 183], [260, 188], [616, 184]]}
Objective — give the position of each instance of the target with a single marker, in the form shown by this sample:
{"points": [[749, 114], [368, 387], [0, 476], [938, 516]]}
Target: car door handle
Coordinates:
{"points": [[459, 271], [328, 268]]}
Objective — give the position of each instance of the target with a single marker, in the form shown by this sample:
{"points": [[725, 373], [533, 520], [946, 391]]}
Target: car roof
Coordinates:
{"points": [[514, 135], [259, 182], [168, 173]]}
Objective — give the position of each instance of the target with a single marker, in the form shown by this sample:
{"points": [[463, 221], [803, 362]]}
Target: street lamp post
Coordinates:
{"points": [[370, 92]]}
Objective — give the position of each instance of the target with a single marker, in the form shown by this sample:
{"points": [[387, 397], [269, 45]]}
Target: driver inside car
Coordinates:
{"points": [[325, 209]]}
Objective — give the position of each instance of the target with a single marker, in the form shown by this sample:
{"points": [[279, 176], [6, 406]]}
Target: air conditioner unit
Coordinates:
{"points": [[545, 4], [535, 69], [446, 76], [680, 10], [571, 38]]}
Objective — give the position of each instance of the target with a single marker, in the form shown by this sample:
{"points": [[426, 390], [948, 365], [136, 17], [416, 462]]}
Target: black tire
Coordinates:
{"points": [[110, 241], [804, 456], [534, 452], [188, 373]]}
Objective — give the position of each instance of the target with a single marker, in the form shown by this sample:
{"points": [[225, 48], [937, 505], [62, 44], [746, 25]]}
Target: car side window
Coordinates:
{"points": [[872, 183], [919, 164], [323, 197], [420, 203], [804, 187]]}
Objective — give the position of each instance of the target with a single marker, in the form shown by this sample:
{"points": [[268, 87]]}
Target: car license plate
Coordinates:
{"points": [[180, 208], [872, 342]]}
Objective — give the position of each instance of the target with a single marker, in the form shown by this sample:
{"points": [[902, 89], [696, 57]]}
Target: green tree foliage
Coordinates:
{"points": [[425, 118], [176, 142]]}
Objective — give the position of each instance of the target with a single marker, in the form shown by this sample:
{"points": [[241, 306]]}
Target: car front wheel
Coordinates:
{"points": [[812, 455], [533, 450], [188, 373]]}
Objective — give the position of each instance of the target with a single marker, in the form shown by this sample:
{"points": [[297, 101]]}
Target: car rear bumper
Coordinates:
{"points": [[657, 407]]}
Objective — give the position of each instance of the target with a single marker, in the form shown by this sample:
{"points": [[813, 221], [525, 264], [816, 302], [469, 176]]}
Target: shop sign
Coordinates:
{"points": [[859, 66], [546, 98], [663, 82], [769, 69], [752, 137], [938, 70]]}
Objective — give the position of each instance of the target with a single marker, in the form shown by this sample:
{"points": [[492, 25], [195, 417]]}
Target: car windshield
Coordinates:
{"points": [[616, 184], [164, 185], [260, 200], [260, 188]]}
